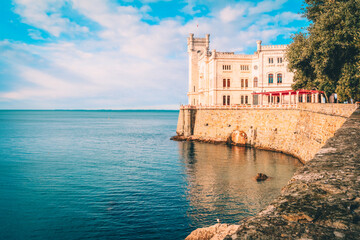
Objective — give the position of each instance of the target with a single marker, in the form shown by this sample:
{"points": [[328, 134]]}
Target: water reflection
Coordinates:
{"points": [[220, 180]]}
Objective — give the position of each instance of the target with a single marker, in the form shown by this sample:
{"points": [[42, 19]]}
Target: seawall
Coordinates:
{"points": [[299, 130], [321, 201]]}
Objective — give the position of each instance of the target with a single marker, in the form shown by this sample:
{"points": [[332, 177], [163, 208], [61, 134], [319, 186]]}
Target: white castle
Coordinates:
{"points": [[226, 78]]}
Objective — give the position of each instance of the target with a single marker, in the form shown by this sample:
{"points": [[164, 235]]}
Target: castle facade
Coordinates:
{"points": [[226, 78]]}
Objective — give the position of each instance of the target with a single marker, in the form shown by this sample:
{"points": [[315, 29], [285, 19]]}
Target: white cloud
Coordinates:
{"points": [[128, 63], [266, 6], [229, 14], [44, 15]]}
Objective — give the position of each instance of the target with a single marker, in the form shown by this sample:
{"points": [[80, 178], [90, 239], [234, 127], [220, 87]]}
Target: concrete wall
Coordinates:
{"points": [[299, 131]]}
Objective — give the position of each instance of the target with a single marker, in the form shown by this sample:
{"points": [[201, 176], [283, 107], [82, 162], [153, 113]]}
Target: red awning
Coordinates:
{"points": [[288, 92]]}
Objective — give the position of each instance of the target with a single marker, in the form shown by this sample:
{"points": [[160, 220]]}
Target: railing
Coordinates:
{"points": [[240, 106]]}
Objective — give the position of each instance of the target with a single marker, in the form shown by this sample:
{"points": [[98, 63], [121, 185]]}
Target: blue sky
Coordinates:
{"points": [[112, 54]]}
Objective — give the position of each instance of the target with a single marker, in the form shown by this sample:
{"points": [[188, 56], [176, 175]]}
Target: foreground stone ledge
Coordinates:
{"points": [[321, 201]]}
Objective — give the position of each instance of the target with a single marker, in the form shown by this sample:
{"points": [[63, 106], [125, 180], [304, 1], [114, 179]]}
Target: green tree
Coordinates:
{"points": [[326, 56]]}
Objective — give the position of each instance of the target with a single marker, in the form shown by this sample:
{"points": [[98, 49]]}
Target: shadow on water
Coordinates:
{"points": [[220, 180]]}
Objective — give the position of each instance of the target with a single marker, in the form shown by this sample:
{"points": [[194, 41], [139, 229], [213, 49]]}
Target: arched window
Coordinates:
{"points": [[228, 83], [271, 78], [224, 83], [224, 100], [279, 78], [242, 83], [246, 83], [255, 82]]}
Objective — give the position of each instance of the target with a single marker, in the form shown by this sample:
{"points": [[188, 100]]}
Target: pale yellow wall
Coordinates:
{"points": [[207, 74]]}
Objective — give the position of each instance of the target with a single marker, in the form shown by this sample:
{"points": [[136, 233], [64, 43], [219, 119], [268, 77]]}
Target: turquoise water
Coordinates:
{"points": [[116, 175]]}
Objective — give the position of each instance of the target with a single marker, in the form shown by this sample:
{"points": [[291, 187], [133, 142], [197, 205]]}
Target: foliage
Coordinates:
{"points": [[326, 56]]}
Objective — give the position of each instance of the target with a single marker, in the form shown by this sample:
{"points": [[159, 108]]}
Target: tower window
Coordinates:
{"points": [[226, 83], [279, 60], [226, 67], [271, 60], [255, 82]]}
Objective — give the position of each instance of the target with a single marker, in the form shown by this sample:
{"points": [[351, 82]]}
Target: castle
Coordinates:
{"points": [[226, 78]]}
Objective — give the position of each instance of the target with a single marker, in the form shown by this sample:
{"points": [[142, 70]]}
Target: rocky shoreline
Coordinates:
{"points": [[321, 201]]}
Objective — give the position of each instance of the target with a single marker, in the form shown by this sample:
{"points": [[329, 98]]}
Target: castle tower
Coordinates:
{"points": [[196, 48]]}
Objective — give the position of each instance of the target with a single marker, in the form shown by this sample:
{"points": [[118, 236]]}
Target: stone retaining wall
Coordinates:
{"points": [[321, 201], [299, 131]]}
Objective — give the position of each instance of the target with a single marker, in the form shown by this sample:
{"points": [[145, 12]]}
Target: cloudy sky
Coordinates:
{"points": [[111, 54]]}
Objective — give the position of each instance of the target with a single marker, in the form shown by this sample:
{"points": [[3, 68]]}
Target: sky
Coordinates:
{"points": [[129, 54]]}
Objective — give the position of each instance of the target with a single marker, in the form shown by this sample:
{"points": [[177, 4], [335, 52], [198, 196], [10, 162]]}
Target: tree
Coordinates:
{"points": [[326, 56]]}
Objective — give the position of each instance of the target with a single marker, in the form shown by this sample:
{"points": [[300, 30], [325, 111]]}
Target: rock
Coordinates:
{"points": [[261, 177], [178, 138], [214, 232]]}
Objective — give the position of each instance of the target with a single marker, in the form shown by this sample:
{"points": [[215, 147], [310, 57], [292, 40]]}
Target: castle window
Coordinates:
{"points": [[244, 67], [279, 78], [271, 60], [242, 83], [194, 88], [242, 99], [255, 82], [226, 83], [246, 83], [224, 100], [228, 100], [271, 78], [279, 60], [226, 67], [246, 99]]}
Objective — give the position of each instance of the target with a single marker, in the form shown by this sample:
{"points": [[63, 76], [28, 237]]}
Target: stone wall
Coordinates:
{"points": [[321, 201], [300, 131]]}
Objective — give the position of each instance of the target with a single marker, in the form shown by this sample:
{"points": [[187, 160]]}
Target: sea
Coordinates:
{"points": [[117, 175]]}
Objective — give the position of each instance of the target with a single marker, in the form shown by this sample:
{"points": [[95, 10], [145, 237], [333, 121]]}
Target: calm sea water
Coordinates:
{"points": [[116, 175]]}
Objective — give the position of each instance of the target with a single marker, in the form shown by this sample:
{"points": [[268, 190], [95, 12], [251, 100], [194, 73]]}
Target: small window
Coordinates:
{"points": [[228, 100], [246, 99], [279, 60], [279, 78], [255, 82], [228, 83], [246, 83], [194, 88], [271, 78], [242, 99], [224, 100], [244, 67], [271, 60], [224, 83], [226, 67], [242, 83]]}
